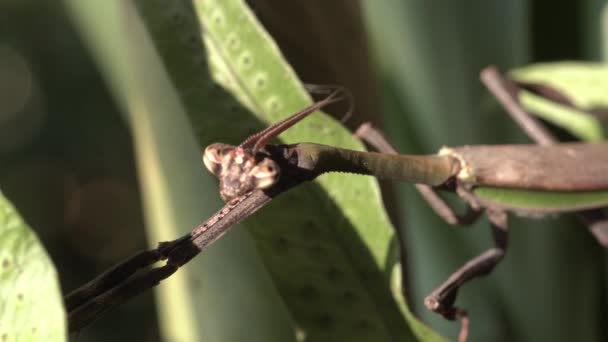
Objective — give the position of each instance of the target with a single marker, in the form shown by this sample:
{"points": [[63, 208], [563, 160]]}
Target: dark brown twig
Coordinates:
{"points": [[134, 276]]}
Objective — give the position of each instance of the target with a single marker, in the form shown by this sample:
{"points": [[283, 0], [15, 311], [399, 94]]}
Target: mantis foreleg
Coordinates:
{"points": [[442, 299]]}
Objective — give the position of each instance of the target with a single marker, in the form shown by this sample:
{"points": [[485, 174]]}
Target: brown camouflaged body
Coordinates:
{"points": [[563, 167]]}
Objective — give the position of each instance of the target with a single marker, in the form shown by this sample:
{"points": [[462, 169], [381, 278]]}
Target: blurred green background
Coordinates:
{"points": [[92, 178]]}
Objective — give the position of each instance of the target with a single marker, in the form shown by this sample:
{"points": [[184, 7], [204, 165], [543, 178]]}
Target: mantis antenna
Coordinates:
{"points": [[260, 139]]}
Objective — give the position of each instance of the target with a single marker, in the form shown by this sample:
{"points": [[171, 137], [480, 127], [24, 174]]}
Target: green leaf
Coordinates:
{"points": [[328, 245], [584, 85], [31, 306]]}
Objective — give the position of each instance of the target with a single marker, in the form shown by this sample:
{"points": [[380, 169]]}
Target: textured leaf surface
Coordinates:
{"points": [[31, 306], [328, 245], [583, 85]]}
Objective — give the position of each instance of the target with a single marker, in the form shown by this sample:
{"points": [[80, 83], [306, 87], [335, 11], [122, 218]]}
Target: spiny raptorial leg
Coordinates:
{"points": [[442, 299]]}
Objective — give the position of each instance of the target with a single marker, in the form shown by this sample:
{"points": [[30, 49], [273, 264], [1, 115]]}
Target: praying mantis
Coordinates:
{"points": [[497, 180]]}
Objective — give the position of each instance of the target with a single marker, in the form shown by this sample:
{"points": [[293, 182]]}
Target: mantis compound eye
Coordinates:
{"points": [[266, 174], [212, 157]]}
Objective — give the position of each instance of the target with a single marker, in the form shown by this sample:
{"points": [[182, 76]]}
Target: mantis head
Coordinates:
{"points": [[244, 168], [239, 170]]}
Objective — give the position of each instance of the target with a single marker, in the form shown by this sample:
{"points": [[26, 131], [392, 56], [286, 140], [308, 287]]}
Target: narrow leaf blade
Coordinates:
{"points": [[583, 87], [31, 306]]}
